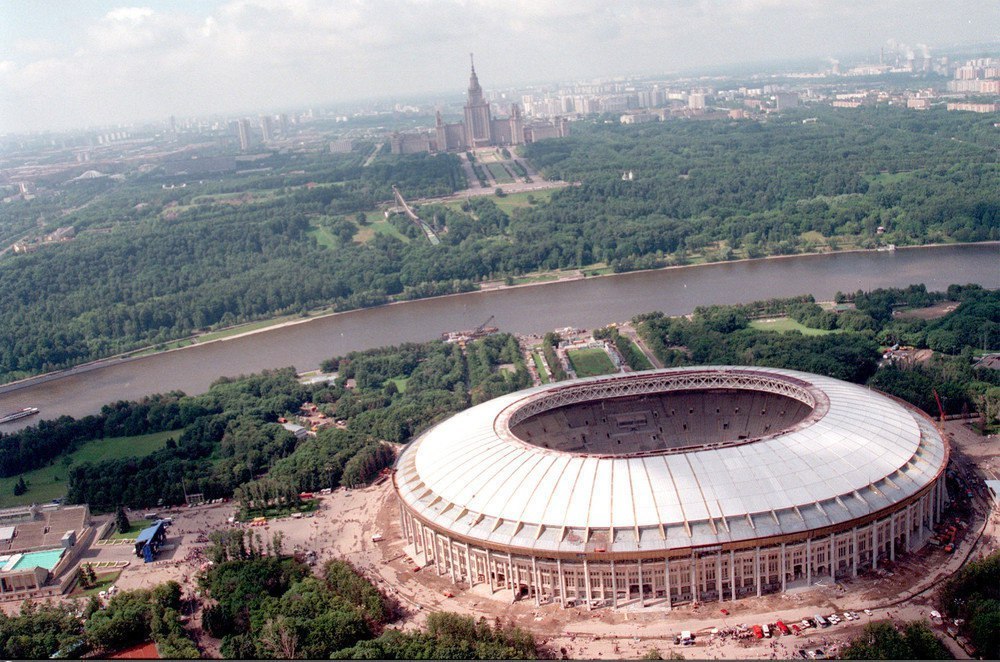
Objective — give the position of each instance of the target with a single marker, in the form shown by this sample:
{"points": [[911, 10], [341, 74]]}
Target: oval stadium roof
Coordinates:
{"points": [[859, 452]]}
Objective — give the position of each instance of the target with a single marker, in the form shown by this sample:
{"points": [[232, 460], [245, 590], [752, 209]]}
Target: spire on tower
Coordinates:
{"points": [[475, 91]]}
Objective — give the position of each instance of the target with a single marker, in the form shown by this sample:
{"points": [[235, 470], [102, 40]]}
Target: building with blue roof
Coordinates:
{"points": [[148, 543]]}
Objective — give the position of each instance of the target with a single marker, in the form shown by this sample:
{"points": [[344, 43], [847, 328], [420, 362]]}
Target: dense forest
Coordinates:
{"points": [[228, 441], [152, 264], [850, 351]]}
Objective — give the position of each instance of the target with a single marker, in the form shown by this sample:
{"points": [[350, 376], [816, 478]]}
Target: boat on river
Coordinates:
{"points": [[19, 414]]}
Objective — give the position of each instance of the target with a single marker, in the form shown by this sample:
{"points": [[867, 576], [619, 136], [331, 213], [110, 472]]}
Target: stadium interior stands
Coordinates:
{"points": [[47, 529], [667, 421]]}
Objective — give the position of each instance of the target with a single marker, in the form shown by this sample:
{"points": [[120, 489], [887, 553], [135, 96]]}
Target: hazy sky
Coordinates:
{"points": [[69, 63]]}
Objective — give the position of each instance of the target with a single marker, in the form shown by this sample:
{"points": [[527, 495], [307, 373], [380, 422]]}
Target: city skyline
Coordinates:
{"points": [[100, 63]]}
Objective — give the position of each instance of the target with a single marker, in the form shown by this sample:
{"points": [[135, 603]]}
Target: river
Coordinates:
{"points": [[584, 303]]}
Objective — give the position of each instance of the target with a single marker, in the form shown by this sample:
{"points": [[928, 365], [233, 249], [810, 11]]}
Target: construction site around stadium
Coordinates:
{"points": [[671, 486]]}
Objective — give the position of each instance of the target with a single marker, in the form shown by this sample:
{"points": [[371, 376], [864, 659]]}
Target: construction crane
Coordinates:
{"points": [[938, 400], [482, 327]]}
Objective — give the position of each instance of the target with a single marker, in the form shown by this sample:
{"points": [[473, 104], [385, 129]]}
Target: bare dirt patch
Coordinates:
{"points": [[939, 309]]}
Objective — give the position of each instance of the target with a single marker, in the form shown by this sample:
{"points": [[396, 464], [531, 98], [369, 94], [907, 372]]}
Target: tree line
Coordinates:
{"points": [[723, 335], [168, 263], [229, 442]]}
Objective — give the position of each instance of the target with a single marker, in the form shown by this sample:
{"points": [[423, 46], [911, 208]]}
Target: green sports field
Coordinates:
{"points": [[591, 362]]}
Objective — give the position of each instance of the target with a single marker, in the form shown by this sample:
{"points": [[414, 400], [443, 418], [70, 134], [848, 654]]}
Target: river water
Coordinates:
{"points": [[584, 303]]}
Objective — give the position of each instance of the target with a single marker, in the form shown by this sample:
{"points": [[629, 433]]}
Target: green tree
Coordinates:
{"points": [[87, 575], [973, 594], [39, 631], [20, 487], [121, 521], [883, 641]]}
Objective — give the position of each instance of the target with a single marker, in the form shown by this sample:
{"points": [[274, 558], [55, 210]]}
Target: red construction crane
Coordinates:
{"points": [[938, 399]]}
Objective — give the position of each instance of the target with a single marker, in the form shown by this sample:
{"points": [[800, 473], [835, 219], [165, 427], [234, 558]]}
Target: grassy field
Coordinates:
{"points": [[509, 201], [104, 580], [544, 376], [591, 362], [323, 237], [50, 482], [276, 512], [135, 527], [786, 324], [378, 225], [499, 173], [536, 278], [400, 383]]}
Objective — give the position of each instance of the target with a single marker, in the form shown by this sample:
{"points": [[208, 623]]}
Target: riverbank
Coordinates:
{"points": [[583, 303], [539, 278], [233, 333]]}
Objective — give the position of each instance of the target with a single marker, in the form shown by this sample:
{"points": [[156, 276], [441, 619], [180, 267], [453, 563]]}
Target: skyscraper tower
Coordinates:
{"points": [[266, 128], [243, 130], [477, 114]]}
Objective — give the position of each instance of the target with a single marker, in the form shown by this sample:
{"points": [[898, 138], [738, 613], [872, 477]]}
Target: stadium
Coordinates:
{"points": [[671, 486]]}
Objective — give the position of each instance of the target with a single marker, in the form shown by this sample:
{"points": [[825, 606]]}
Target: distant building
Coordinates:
{"points": [[343, 146], [410, 143], [638, 118], [243, 131], [266, 128], [449, 137], [478, 124], [786, 100], [696, 101], [480, 128], [975, 107], [60, 234], [297, 430]]}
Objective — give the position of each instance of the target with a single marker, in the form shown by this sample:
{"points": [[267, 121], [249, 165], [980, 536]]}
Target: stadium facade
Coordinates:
{"points": [[671, 486]]}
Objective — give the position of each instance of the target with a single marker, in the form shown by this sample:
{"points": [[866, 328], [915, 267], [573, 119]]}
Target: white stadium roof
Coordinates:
{"points": [[858, 453]]}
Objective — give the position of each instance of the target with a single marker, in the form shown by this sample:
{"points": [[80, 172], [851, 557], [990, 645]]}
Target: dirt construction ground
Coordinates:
{"points": [[346, 520]]}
